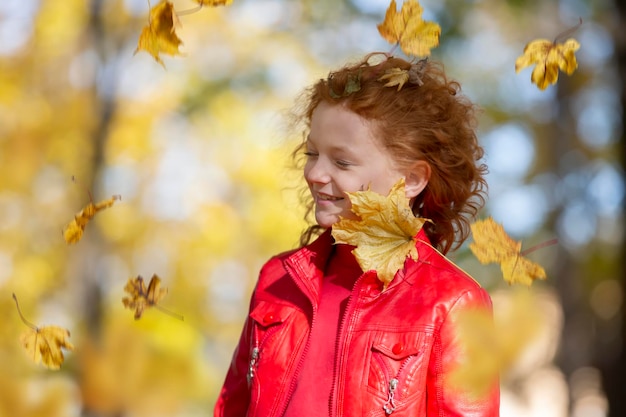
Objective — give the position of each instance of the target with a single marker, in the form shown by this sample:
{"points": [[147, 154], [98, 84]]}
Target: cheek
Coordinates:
{"points": [[306, 172]]}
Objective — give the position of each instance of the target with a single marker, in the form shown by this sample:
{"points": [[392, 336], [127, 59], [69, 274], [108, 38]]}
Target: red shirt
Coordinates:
{"points": [[313, 390]]}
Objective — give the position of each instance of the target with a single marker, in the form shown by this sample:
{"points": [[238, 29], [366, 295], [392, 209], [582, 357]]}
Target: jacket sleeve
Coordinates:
{"points": [[234, 398], [448, 354]]}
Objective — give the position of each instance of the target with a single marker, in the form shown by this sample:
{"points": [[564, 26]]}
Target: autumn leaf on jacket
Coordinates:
{"points": [[159, 36], [548, 58], [492, 245], [142, 297], [384, 235], [73, 232], [415, 36], [44, 344]]}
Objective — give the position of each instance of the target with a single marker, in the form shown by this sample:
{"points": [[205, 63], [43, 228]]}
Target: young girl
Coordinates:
{"points": [[323, 337]]}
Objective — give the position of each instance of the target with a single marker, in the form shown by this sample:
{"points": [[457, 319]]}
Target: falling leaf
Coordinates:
{"points": [[141, 297], [395, 76], [489, 347], [492, 245], [384, 235], [73, 232], [44, 344], [549, 57], [159, 37], [415, 36]]}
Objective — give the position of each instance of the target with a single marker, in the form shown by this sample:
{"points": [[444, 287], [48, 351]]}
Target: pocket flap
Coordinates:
{"points": [[268, 314], [400, 345]]}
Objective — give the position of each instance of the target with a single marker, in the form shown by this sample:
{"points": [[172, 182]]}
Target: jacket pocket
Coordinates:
{"points": [[268, 331], [398, 366], [271, 346]]}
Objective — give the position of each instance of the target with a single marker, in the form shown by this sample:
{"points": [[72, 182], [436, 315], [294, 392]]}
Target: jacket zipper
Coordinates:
{"points": [[342, 326], [390, 405], [294, 375], [255, 353], [254, 357]]}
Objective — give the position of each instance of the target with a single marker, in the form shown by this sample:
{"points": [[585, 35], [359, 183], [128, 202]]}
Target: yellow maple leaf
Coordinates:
{"points": [[142, 297], [384, 235], [73, 232], [492, 245], [395, 76], [159, 36], [44, 344], [549, 57], [489, 347], [415, 36]]}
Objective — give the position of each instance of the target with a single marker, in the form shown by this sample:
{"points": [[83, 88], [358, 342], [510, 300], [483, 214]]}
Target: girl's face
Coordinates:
{"points": [[344, 155]]}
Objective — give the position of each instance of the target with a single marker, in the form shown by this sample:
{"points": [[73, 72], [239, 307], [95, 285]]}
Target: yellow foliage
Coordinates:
{"points": [[492, 244], [384, 235], [548, 58], [414, 35]]}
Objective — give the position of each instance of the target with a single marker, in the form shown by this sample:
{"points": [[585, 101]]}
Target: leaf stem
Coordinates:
{"points": [[190, 11], [26, 322], [569, 31], [539, 246], [170, 313]]}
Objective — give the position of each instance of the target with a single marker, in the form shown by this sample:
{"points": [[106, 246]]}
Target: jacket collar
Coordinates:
{"points": [[307, 264]]}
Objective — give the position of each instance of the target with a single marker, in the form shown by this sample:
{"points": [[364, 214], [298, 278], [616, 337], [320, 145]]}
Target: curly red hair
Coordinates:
{"points": [[429, 121]]}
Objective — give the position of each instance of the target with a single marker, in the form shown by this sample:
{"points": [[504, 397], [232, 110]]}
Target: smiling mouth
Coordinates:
{"points": [[326, 197]]}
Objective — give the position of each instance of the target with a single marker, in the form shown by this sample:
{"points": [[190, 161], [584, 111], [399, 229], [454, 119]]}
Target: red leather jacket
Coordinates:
{"points": [[393, 352]]}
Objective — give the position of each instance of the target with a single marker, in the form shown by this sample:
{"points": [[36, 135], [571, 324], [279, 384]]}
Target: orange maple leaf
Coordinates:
{"points": [[415, 36], [44, 344], [73, 232], [142, 297], [159, 36], [492, 245]]}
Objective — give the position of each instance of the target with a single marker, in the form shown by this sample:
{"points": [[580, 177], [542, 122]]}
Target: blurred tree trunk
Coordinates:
{"points": [[104, 105], [614, 374]]}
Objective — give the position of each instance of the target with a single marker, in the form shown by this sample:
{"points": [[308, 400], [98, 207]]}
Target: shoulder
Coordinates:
{"points": [[277, 262], [316, 252], [436, 274]]}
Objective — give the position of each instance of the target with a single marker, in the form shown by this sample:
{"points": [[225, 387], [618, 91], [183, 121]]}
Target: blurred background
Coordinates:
{"points": [[199, 152]]}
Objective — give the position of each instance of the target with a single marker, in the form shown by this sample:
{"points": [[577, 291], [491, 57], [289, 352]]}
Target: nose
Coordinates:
{"points": [[315, 171]]}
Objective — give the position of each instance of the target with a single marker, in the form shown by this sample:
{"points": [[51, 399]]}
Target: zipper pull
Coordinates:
{"points": [[390, 405], [253, 361]]}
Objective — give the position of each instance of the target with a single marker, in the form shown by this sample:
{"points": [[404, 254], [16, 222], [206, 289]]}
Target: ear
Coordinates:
{"points": [[417, 178]]}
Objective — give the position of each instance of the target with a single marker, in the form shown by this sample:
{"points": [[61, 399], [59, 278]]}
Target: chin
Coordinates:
{"points": [[327, 221]]}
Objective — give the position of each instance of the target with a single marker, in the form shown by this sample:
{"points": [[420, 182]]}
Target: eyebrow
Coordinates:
{"points": [[332, 147]]}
